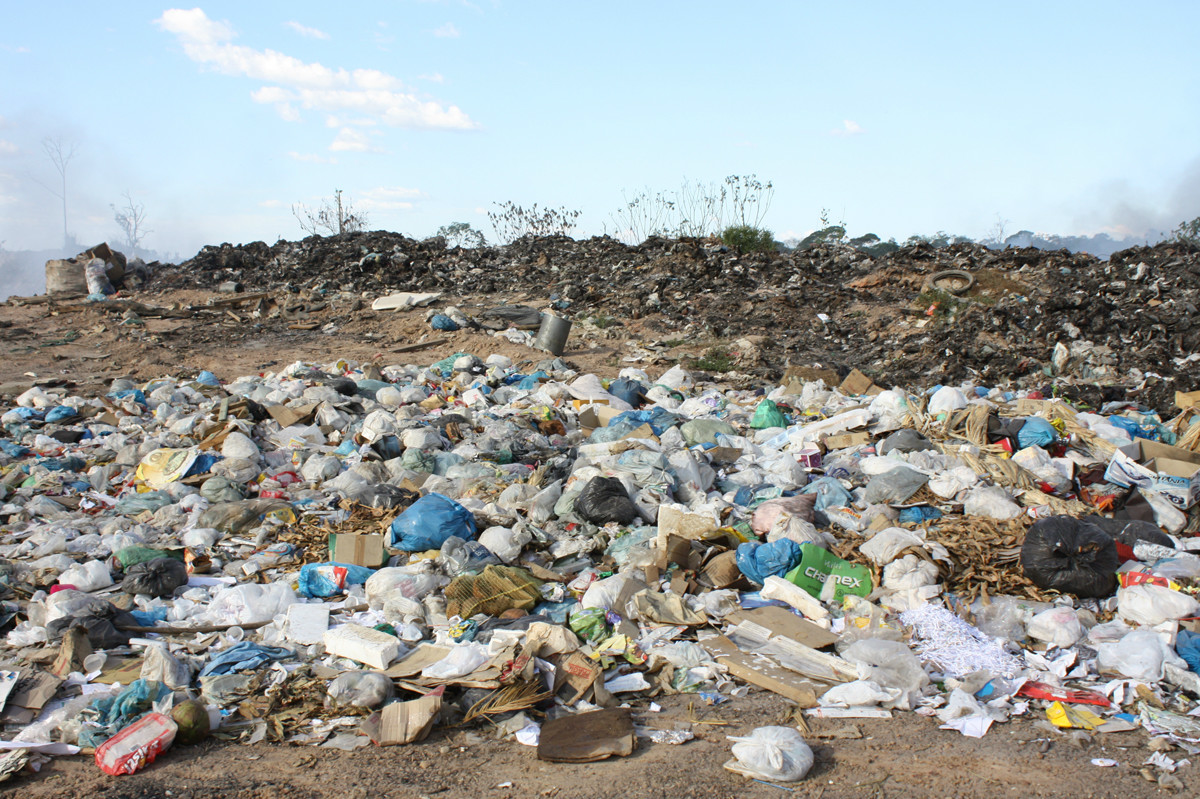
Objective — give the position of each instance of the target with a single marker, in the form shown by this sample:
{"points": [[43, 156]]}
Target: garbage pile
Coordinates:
{"points": [[343, 555], [1099, 330]]}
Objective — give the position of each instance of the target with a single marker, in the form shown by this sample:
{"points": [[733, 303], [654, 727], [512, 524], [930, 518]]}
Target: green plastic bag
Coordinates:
{"points": [[132, 556], [589, 623], [817, 566], [767, 414]]}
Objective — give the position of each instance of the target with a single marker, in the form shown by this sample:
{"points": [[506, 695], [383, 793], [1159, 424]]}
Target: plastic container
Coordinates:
{"points": [[131, 749]]}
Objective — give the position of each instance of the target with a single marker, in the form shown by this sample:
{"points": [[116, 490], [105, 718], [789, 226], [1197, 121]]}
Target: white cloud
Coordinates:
{"points": [[305, 31], [295, 84], [311, 158], [849, 128], [352, 141], [8, 148], [447, 31], [433, 77], [388, 198]]}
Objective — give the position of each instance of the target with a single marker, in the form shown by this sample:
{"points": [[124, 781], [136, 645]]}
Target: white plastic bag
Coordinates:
{"points": [[860, 693], [946, 399], [1138, 656], [1058, 627], [771, 753], [1153, 604], [462, 660], [89, 576]]}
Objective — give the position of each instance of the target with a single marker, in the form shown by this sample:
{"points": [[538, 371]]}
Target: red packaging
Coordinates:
{"points": [[1040, 690], [131, 749]]}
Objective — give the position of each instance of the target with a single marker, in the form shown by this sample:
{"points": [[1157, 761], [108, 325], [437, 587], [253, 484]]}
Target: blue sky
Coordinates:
{"points": [[900, 118]]}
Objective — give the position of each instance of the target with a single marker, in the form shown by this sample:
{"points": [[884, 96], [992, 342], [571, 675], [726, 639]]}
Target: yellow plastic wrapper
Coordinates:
{"points": [[1072, 717], [164, 466]]}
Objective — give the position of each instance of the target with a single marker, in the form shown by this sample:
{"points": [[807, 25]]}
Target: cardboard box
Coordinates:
{"points": [[1171, 471], [594, 416], [844, 440], [358, 549], [809, 457], [1187, 399], [855, 384]]}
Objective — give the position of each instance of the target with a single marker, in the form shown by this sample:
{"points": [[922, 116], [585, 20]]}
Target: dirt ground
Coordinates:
{"points": [[907, 756]]}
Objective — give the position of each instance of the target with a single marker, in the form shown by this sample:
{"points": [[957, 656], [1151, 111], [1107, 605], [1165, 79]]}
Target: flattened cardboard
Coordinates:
{"points": [[845, 440], [288, 416], [32, 691], [416, 661], [724, 454], [587, 737], [573, 677], [855, 384], [358, 549], [1171, 471], [762, 673], [404, 722], [782, 622], [75, 647]]}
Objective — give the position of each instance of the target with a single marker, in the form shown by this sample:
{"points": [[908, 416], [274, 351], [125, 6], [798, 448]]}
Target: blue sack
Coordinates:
{"points": [[919, 513], [429, 521], [760, 561], [1036, 432], [443, 322]]}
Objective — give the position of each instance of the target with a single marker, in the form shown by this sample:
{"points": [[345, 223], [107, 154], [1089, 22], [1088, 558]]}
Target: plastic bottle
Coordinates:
{"points": [[132, 748]]}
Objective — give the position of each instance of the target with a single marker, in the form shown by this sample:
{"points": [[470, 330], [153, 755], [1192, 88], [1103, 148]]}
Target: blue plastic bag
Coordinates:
{"points": [[442, 322], [1187, 646], [328, 579], [830, 493], [60, 413], [1036, 432], [760, 561], [627, 390], [429, 521], [919, 513]]}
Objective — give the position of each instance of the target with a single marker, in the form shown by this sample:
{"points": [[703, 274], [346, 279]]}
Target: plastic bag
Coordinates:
{"points": [[328, 579], [771, 753], [1058, 627], [458, 556], [760, 561], [705, 431], [89, 576], [946, 399], [1140, 655], [890, 664], [1070, 555], [766, 415], [461, 661], [504, 543], [159, 665], [406, 580], [765, 514], [428, 522], [1153, 604], [820, 572], [158, 577], [360, 689], [236, 517], [896, 485], [250, 602], [1036, 432], [605, 500]]}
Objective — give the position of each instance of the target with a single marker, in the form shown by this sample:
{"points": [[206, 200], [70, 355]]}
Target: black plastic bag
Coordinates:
{"points": [[1132, 531], [1070, 555], [157, 577], [604, 500], [906, 440], [100, 619]]}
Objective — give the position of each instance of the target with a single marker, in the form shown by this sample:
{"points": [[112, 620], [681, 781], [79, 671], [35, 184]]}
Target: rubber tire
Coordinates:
{"points": [[931, 281]]}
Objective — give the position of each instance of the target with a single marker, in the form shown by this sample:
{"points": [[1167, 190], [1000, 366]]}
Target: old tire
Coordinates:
{"points": [[951, 281]]}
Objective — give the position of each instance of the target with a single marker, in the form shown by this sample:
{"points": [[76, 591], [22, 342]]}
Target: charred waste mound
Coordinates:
{"points": [[1028, 316]]}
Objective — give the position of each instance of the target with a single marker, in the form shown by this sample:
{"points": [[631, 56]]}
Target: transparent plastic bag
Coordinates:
{"points": [[771, 753], [360, 689]]}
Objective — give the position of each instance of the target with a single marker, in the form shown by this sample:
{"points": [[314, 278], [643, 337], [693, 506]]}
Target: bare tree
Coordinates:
{"points": [[60, 154], [330, 219], [131, 217]]}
